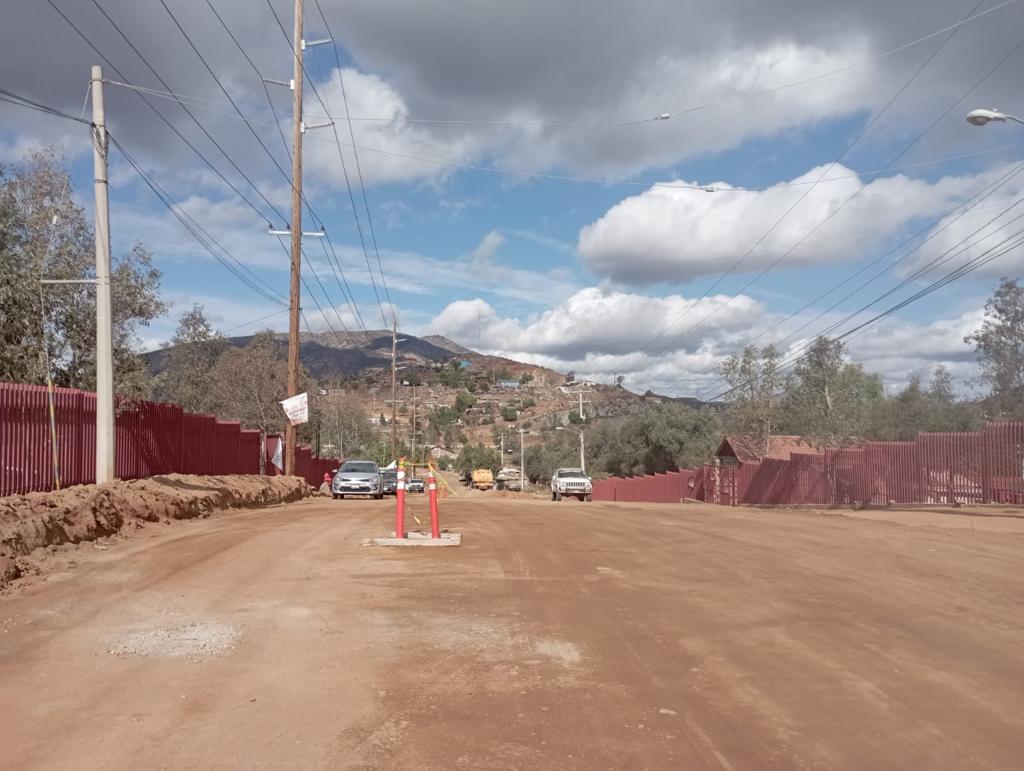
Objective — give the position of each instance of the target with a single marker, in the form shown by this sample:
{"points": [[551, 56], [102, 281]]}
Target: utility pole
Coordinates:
{"points": [[293, 299], [583, 422], [394, 387], [412, 440], [522, 460], [105, 469]]}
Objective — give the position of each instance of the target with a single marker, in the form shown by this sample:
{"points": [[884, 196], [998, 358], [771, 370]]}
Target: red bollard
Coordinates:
{"points": [[435, 523], [400, 502]]}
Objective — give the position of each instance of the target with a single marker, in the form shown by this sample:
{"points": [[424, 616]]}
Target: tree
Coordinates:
{"points": [[509, 414], [525, 378], [827, 400], [192, 355], [756, 381], [250, 382], [44, 232], [463, 401], [575, 418], [999, 345], [477, 456]]}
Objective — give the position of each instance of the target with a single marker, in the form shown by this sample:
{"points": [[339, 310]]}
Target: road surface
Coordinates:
{"points": [[559, 636]]}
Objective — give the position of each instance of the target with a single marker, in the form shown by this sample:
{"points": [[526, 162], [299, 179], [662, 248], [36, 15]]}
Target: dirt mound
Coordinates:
{"points": [[89, 512]]}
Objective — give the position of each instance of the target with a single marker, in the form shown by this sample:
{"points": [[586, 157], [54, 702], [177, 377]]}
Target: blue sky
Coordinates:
{"points": [[596, 276]]}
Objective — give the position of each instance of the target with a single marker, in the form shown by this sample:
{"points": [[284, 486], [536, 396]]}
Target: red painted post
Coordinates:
{"points": [[435, 522], [400, 501]]}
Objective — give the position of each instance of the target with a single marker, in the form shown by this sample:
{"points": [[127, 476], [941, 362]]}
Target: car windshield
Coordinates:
{"points": [[571, 473], [390, 474], [417, 481], [358, 467]]}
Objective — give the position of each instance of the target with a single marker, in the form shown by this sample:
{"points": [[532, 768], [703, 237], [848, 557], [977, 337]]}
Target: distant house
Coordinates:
{"points": [[438, 451], [738, 449], [465, 364], [509, 384]]}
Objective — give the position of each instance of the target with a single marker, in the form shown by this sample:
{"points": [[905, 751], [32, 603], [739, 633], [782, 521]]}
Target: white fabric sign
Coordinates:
{"points": [[297, 409]]}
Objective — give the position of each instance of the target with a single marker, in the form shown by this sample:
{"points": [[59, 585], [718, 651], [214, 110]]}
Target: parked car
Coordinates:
{"points": [[414, 485], [573, 482], [389, 481], [358, 477]]}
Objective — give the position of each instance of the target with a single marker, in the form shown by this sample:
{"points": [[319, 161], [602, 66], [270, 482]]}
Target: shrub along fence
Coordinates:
{"points": [[939, 468], [151, 438]]}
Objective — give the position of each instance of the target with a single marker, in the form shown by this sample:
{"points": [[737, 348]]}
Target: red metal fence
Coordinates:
{"points": [[151, 438], [969, 467]]}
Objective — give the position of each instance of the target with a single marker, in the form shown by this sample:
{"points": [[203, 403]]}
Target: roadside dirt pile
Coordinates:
{"points": [[88, 512]]}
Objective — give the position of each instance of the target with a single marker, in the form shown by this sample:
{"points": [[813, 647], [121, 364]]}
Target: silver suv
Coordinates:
{"points": [[573, 482], [358, 477]]}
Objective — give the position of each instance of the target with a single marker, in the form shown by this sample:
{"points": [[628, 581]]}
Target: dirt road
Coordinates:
{"points": [[558, 636]]}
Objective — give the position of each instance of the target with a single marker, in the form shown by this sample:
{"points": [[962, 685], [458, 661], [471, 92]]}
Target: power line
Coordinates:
{"points": [[834, 211], [341, 158], [198, 232], [987, 256], [202, 128], [345, 290], [159, 114], [684, 110], [355, 154]]}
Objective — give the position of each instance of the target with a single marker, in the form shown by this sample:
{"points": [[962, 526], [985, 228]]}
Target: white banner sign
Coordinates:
{"points": [[297, 409]]}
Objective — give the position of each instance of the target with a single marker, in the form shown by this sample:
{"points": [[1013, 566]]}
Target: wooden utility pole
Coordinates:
{"points": [[394, 387], [293, 316]]}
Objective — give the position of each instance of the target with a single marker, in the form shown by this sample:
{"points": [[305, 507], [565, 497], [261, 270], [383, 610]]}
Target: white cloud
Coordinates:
{"points": [[578, 336], [678, 234]]}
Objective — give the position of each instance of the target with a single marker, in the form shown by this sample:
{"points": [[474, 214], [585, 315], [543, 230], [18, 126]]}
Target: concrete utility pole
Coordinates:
{"points": [[583, 422], [394, 387], [293, 299], [522, 460], [104, 326], [412, 441]]}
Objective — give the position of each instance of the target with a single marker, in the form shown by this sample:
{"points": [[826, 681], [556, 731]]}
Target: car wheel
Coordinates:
{"points": [[558, 496], [586, 498], [379, 497], [553, 495]]}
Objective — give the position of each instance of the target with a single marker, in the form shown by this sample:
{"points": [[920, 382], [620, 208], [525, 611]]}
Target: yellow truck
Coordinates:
{"points": [[483, 479]]}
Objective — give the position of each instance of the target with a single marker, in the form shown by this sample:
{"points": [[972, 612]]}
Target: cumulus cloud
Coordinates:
{"points": [[596, 322], [679, 234], [577, 335]]}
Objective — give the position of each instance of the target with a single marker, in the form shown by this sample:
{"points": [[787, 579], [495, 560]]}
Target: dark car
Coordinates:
{"points": [[389, 481]]}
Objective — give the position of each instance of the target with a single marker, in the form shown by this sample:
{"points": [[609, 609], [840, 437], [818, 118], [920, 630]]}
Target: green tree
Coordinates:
{"points": [[525, 378], [509, 414], [463, 401], [44, 232], [475, 456], [999, 345], [192, 355], [756, 381], [828, 400]]}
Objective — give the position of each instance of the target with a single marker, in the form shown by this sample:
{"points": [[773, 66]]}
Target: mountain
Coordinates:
{"points": [[327, 355]]}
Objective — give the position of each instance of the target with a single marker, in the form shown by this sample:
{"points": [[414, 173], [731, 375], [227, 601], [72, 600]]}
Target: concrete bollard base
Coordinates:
{"points": [[416, 539]]}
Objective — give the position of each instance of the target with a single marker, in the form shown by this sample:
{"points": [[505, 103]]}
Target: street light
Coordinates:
{"points": [[583, 462], [981, 117]]}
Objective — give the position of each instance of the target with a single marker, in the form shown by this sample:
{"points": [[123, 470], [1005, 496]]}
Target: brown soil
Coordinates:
{"points": [[57, 520], [560, 635]]}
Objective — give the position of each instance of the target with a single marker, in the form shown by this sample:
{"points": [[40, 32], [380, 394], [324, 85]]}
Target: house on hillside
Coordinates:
{"points": [[737, 449]]}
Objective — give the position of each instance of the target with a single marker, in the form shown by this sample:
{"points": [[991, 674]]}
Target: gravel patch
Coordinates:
{"points": [[192, 639]]}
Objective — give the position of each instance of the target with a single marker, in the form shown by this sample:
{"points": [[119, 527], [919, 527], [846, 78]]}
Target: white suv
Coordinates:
{"points": [[573, 482]]}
